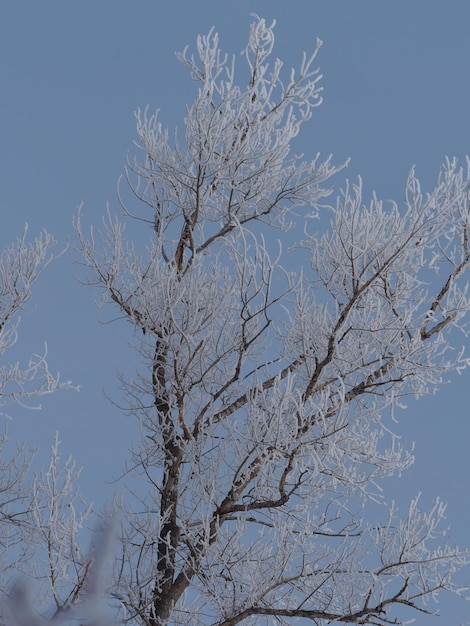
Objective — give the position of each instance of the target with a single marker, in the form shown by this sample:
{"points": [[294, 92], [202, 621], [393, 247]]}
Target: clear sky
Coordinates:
{"points": [[396, 93]]}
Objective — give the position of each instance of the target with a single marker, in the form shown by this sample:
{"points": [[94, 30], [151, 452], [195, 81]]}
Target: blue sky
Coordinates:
{"points": [[396, 93]]}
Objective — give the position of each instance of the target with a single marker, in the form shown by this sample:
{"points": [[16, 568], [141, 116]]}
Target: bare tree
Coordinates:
{"points": [[20, 265], [38, 525], [270, 374]]}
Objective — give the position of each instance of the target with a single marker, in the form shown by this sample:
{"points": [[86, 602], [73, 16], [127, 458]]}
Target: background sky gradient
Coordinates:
{"points": [[396, 93]]}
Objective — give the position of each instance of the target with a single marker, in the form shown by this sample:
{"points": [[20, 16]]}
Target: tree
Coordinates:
{"points": [[25, 506], [269, 375], [21, 264]]}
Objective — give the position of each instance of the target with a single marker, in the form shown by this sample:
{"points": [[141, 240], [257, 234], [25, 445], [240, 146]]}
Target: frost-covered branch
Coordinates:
{"points": [[21, 264], [51, 578]]}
